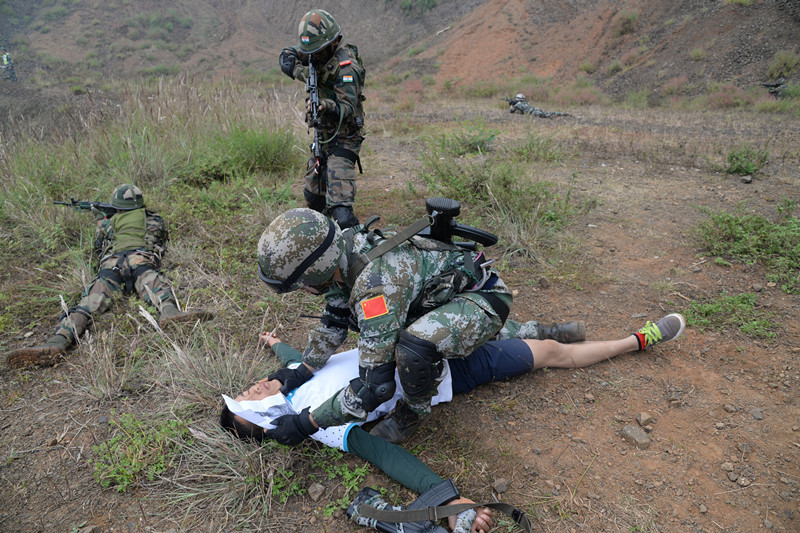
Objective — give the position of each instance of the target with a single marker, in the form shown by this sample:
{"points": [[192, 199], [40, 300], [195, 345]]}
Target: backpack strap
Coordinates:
{"points": [[436, 513]]}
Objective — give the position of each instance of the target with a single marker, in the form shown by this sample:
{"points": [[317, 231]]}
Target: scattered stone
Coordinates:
{"points": [[30, 333], [644, 419], [636, 436], [730, 408], [674, 397], [767, 524], [315, 491], [743, 481], [593, 496], [589, 397], [500, 485], [544, 282], [537, 451], [703, 508], [747, 179], [696, 269], [727, 467], [744, 447], [757, 287], [756, 413], [648, 428], [52, 442], [733, 476], [719, 425]]}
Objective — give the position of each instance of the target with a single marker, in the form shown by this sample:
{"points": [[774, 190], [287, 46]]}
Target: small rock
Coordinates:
{"points": [[703, 509], [315, 491], [744, 447], [544, 282], [648, 428], [644, 419], [719, 425], [636, 436], [727, 467], [537, 451], [500, 485], [767, 524], [312, 520], [747, 179], [743, 481], [757, 287], [27, 335], [756, 413], [733, 476], [589, 397], [730, 408], [52, 442]]}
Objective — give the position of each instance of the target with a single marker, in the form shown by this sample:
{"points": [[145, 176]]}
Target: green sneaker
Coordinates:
{"points": [[666, 329]]}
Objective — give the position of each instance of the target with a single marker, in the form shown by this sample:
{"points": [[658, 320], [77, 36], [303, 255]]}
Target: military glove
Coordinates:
{"points": [[287, 60], [291, 378], [291, 429], [327, 105]]}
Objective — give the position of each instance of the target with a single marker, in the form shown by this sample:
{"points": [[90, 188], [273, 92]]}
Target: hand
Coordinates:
{"points": [[269, 338], [287, 60], [326, 105], [481, 524], [292, 429], [291, 378]]}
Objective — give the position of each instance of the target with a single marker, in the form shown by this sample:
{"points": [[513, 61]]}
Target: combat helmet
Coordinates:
{"points": [[127, 197], [317, 30], [520, 97], [300, 248]]}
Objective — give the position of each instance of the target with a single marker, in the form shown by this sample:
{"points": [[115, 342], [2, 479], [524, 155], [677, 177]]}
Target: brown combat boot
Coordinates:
{"points": [[401, 423], [565, 333], [47, 354], [171, 315]]}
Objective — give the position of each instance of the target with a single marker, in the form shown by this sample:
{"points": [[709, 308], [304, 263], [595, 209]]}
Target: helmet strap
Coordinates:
{"points": [[308, 261]]}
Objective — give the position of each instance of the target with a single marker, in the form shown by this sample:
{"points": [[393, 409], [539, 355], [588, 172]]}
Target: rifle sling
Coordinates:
{"points": [[436, 513], [392, 242]]}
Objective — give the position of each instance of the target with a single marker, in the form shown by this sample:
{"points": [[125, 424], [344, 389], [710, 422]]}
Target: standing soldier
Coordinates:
{"points": [[129, 245], [330, 186], [414, 304]]}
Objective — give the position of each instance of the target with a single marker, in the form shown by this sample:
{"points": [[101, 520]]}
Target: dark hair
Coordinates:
{"points": [[242, 430]]}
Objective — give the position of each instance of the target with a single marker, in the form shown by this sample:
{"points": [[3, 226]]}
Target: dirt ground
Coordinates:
{"points": [[724, 448]]}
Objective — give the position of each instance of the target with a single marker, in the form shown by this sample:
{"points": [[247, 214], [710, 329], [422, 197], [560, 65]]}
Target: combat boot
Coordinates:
{"points": [[565, 332], [47, 354], [171, 315], [401, 423]]}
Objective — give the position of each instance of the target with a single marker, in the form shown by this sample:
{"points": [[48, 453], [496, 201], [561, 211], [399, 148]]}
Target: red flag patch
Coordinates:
{"points": [[345, 62], [374, 307]]}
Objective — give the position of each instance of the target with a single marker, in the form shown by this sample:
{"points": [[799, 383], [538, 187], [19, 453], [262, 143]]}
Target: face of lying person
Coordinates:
{"points": [[259, 391]]}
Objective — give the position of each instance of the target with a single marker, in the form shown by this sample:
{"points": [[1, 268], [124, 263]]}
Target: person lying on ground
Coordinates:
{"points": [[493, 361]]}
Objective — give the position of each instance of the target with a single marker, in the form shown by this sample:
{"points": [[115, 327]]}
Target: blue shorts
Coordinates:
{"points": [[493, 361]]}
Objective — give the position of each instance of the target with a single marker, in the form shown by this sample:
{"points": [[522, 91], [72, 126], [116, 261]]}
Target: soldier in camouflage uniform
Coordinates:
{"points": [[414, 305], [522, 106], [129, 247], [330, 188]]}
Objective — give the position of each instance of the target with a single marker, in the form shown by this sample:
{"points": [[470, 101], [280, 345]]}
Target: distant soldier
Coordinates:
{"points": [[129, 245], [330, 186], [8, 66], [521, 105], [776, 88]]}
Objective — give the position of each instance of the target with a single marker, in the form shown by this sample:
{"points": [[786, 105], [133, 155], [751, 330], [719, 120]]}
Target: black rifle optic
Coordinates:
{"points": [[443, 212], [108, 209]]}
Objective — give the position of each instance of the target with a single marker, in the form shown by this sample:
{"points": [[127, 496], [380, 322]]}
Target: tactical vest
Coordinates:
{"points": [[129, 230], [328, 75]]}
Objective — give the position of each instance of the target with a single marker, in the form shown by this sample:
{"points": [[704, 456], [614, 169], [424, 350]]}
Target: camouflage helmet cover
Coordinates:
{"points": [[301, 247], [127, 196], [520, 97], [317, 30]]}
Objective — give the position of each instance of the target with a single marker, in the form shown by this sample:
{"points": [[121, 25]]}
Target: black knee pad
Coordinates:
{"points": [[317, 203], [419, 363], [373, 386], [344, 216]]}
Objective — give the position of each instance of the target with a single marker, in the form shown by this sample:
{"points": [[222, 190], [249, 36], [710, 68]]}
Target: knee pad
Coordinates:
{"points": [[317, 203], [344, 216], [419, 363], [373, 386]]}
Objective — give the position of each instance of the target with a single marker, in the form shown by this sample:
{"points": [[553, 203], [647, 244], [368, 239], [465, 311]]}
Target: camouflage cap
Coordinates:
{"points": [[127, 196], [317, 30], [300, 247]]}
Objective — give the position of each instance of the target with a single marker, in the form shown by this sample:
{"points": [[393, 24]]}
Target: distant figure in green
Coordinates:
{"points": [[521, 105], [8, 66]]}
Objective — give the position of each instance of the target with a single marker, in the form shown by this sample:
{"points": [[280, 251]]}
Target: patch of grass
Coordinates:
{"points": [[738, 2], [416, 51], [625, 23], [753, 238], [637, 99], [139, 450], [538, 148], [161, 70], [587, 67], [745, 159], [470, 138], [783, 64], [331, 462], [697, 54], [614, 68], [740, 311]]}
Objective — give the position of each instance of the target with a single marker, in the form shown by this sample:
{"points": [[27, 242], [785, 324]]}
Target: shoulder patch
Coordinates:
{"points": [[347, 78], [344, 63], [374, 307]]}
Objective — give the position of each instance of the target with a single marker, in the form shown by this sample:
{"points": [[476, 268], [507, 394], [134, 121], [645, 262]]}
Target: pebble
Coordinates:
{"points": [[733, 476], [500, 485], [644, 419], [635, 436], [315, 491], [756, 413], [730, 408], [703, 509], [727, 467]]}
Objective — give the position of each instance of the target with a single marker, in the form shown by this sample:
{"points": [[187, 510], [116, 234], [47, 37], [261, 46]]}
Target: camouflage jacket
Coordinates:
{"points": [[388, 295], [156, 236], [340, 80], [527, 109]]}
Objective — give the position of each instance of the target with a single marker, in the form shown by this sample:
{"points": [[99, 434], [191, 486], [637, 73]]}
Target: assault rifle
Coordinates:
{"points": [[313, 99], [107, 209], [511, 101]]}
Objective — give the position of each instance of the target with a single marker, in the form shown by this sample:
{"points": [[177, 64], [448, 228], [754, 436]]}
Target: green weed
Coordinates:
{"points": [[625, 23], [331, 461], [783, 64], [697, 54], [470, 138], [740, 311], [745, 159], [753, 238], [139, 450]]}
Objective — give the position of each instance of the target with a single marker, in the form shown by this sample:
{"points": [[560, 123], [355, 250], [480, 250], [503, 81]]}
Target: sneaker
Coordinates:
{"points": [[666, 329]]}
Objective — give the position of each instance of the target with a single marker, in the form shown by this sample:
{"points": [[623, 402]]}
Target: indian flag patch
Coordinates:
{"points": [[374, 307], [347, 79], [305, 39]]}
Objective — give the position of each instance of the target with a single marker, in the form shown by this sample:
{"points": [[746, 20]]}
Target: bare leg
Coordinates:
{"points": [[552, 354]]}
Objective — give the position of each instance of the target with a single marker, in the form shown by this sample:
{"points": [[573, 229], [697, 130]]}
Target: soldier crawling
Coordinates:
{"points": [[330, 186], [129, 246], [521, 105], [419, 302]]}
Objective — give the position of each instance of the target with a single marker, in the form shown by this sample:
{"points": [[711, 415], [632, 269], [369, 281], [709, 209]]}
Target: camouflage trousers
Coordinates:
{"points": [[457, 328], [124, 273], [337, 182]]}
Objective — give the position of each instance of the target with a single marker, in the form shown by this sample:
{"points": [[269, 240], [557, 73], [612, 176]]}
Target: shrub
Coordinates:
{"points": [[727, 96], [740, 311], [587, 67], [783, 64], [697, 54], [675, 85], [629, 58], [738, 2], [614, 68], [625, 23], [746, 160]]}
